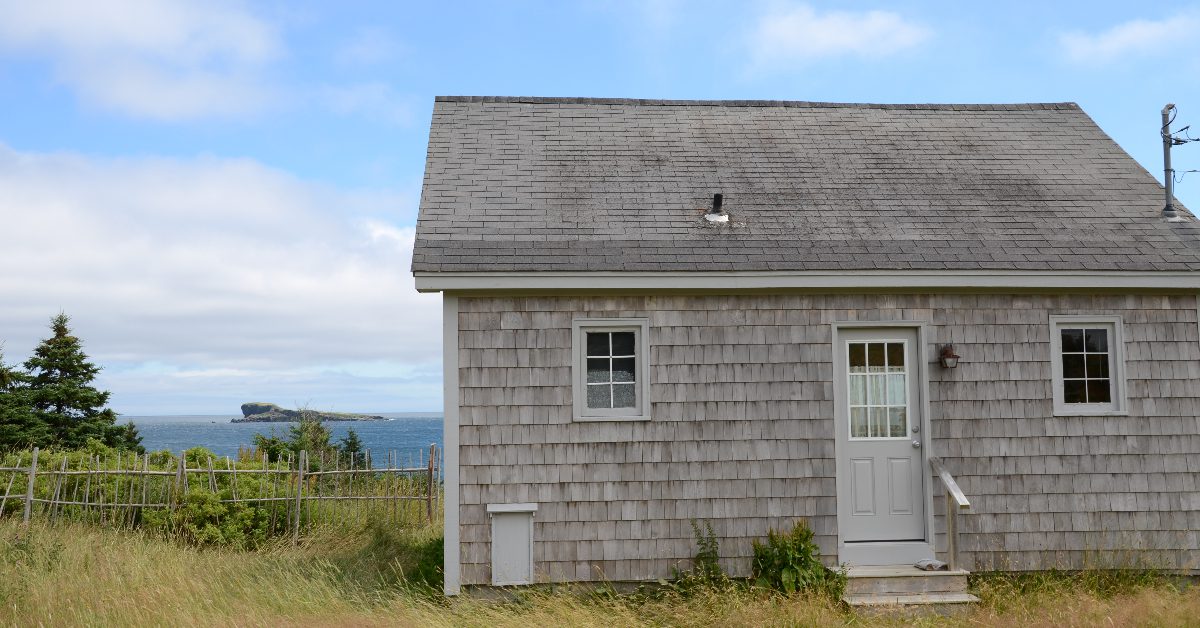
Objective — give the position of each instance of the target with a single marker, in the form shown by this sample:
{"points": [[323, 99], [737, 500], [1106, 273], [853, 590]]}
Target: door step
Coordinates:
{"points": [[905, 585]]}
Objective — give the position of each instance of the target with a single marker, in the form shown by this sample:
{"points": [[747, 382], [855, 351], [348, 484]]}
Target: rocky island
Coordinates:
{"points": [[255, 412]]}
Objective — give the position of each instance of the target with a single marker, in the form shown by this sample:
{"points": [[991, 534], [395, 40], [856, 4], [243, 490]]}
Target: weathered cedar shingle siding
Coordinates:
{"points": [[742, 431]]}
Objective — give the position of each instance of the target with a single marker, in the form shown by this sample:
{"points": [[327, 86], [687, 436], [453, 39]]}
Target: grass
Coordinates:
{"points": [[72, 574]]}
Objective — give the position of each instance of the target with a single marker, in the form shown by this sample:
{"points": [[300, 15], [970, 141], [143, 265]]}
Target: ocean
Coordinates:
{"points": [[406, 433]]}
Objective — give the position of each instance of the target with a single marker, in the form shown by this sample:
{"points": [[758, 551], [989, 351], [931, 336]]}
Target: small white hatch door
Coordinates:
{"points": [[512, 543]]}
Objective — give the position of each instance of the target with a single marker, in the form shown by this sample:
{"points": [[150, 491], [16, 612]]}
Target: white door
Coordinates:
{"points": [[880, 465]]}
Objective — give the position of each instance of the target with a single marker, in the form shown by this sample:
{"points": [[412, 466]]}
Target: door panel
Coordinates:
{"points": [[900, 488], [862, 483], [877, 380]]}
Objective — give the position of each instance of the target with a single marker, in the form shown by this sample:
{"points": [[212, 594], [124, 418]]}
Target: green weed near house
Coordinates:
{"points": [[790, 562]]}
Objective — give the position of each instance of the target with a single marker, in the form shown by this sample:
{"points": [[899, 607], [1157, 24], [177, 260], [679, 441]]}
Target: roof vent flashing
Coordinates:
{"points": [[716, 214]]}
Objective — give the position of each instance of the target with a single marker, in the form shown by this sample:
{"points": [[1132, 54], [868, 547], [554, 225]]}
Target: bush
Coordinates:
{"points": [[791, 562], [204, 520]]}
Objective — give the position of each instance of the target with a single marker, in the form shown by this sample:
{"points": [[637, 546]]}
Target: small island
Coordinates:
{"points": [[256, 412]]}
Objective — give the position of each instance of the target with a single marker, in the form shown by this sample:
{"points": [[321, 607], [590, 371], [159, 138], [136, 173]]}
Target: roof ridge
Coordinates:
{"points": [[559, 100]]}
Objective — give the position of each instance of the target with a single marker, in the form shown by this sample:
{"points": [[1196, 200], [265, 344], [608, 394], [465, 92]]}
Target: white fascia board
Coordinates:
{"points": [[808, 280]]}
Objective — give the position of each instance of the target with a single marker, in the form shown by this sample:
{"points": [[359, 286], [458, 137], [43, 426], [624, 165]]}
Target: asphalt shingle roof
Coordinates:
{"points": [[570, 184]]}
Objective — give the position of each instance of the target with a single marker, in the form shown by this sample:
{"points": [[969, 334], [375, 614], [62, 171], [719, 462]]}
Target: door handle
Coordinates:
{"points": [[916, 444]]}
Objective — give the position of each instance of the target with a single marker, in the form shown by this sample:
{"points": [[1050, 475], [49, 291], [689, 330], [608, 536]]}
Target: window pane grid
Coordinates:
{"points": [[1085, 365], [611, 370], [878, 389]]}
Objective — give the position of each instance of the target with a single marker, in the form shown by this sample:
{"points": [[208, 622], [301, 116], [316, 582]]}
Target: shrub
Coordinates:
{"points": [[198, 457], [791, 562], [203, 519]]}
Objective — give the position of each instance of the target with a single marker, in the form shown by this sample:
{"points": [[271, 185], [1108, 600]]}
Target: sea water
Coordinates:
{"points": [[409, 434]]}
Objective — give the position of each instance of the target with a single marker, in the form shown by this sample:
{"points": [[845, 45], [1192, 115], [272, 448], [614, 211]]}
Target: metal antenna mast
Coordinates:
{"points": [[1168, 211]]}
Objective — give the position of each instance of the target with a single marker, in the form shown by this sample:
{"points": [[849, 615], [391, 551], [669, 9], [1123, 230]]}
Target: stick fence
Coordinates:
{"points": [[291, 493]]}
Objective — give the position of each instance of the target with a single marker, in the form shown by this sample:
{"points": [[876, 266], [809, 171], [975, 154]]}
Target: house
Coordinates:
{"points": [[746, 312]]}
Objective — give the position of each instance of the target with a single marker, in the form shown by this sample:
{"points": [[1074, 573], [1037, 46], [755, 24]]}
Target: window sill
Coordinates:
{"points": [[602, 419], [1068, 412]]}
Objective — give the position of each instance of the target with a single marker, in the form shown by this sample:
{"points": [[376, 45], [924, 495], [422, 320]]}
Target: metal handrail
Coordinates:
{"points": [[956, 501]]}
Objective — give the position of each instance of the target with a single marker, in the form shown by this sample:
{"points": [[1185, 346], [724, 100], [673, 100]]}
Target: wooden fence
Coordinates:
{"points": [[293, 492]]}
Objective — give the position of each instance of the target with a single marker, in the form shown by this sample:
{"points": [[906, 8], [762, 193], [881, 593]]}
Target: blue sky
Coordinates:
{"points": [[222, 194]]}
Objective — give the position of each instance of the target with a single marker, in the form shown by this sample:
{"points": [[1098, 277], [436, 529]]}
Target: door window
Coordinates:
{"points": [[878, 386]]}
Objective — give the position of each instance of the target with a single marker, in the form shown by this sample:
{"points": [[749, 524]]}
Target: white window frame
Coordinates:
{"points": [[1116, 353], [641, 330]]}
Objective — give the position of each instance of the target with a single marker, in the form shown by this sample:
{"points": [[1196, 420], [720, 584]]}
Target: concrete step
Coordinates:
{"points": [[903, 579], [909, 599], [905, 585]]}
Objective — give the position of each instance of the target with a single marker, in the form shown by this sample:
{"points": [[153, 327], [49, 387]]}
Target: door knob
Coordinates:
{"points": [[916, 444]]}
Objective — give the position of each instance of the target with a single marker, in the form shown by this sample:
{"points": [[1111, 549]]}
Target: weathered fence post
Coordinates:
{"points": [[8, 491], [429, 493], [303, 458], [58, 482], [29, 490]]}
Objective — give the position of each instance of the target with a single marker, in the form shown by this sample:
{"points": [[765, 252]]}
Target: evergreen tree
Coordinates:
{"points": [[61, 394], [20, 428], [351, 445]]}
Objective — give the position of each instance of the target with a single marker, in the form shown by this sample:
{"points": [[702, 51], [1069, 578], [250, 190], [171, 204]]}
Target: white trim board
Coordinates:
{"points": [[811, 280], [452, 551], [522, 507]]}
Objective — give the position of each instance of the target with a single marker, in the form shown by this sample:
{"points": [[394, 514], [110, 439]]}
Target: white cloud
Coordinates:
{"points": [[166, 59], [800, 34], [1133, 38], [214, 281], [368, 46], [372, 100]]}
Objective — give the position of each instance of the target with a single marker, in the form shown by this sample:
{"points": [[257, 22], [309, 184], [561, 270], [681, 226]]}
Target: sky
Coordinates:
{"points": [[222, 194]]}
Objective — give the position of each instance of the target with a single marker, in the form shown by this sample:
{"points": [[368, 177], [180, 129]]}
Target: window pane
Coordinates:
{"points": [[896, 392], [599, 396], [858, 422], [858, 357], [623, 369], [895, 356], [1072, 365], [622, 343], [898, 421], [1096, 340], [1098, 391], [875, 358], [858, 390], [597, 370], [879, 422], [1072, 340], [877, 389], [1073, 391], [597, 343], [1097, 365], [624, 396]]}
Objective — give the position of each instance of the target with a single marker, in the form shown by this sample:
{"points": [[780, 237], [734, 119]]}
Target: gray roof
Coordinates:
{"points": [[573, 184]]}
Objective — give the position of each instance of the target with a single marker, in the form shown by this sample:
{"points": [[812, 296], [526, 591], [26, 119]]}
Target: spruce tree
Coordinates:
{"points": [[20, 428], [351, 445], [62, 396]]}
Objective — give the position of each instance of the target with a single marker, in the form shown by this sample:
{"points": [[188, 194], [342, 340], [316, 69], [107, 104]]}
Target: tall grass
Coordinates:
{"points": [[369, 575]]}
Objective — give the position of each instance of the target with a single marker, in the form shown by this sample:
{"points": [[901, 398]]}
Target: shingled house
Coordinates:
{"points": [[750, 312]]}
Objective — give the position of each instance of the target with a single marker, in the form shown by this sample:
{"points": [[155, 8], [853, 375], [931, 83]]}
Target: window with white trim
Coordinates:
{"points": [[1088, 364], [610, 379]]}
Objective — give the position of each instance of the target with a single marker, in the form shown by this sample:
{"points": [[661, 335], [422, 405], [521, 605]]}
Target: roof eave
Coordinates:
{"points": [[427, 281]]}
